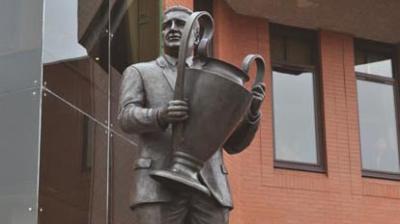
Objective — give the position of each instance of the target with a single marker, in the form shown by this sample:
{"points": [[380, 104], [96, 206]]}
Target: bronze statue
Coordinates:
{"points": [[149, 109]]}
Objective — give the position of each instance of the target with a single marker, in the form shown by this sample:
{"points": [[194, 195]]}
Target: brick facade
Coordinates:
{"points": [[264, 194], [186, 3]]}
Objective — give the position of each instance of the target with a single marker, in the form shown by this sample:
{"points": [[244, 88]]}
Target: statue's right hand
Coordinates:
{"points": [[175, 111]]}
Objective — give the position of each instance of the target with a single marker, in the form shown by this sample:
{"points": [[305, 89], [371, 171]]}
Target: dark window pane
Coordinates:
{"points": [[293, 46], [73, 166], [277, 44], [378, 127], [360, 57], [203, 5], [75, 53], [373, 63], [294, 117], [299, 52]]}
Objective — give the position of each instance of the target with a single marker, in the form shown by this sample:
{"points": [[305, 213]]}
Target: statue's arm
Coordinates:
{"points": [[133, 116], [244, 134]]}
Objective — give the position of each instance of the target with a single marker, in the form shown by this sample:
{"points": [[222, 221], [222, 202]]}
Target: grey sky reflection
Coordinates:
{"points": [[294, 120], [378, 127], [60, 40], [383, 68]]}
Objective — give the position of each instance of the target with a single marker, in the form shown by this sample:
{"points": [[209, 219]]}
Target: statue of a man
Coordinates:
{"points": [[147, 109]]}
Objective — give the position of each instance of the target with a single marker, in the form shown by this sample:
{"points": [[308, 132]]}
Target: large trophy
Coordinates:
{"points": [[218, 102]]}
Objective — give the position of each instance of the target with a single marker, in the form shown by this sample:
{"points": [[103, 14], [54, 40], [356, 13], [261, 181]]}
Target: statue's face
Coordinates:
{"points": [[172, 28]]}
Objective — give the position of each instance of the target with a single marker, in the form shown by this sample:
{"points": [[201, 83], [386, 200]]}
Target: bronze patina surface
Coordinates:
{"points": [[185, 111]]}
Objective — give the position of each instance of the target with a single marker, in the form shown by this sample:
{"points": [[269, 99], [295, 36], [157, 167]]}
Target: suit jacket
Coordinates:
{"points": [[145, 88]]}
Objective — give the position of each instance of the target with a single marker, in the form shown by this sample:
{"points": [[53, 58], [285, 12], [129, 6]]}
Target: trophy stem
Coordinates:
{"points": [[182, 174]]}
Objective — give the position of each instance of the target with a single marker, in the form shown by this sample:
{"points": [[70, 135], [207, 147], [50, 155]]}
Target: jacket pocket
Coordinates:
{"points": [[142, 163]]}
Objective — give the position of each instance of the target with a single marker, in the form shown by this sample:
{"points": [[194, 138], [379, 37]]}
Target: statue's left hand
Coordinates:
{"points": [[258, 92]]}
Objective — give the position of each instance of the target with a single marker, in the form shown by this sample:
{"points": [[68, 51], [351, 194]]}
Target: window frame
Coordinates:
{"points": [[392, 52], [315, 69]]}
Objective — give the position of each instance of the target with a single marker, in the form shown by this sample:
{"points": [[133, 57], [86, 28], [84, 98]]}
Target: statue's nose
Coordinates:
{"points": [[173, 25]]}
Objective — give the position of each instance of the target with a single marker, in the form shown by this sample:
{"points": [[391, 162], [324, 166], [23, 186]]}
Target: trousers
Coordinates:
{"points": [[185, 208]]}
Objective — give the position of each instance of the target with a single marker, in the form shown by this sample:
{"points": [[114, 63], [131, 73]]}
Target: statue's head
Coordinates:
{"points": [[172, 27]]}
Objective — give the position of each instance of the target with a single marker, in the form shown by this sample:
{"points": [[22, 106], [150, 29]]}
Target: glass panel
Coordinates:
{"points": [[123, 156], [136, 33], [75, 53], [136, 38], [371, 63], [19, 143], [20, 44], [379, 144], [20, 74], [73, 166], [294, 117]]}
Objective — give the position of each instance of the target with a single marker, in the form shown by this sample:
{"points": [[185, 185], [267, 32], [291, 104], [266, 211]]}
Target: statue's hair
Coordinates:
{"points": [[178, 8]]}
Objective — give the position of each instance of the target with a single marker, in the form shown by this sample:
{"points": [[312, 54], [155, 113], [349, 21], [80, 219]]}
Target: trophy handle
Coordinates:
{"points": [[248, 60], [206, 22]]}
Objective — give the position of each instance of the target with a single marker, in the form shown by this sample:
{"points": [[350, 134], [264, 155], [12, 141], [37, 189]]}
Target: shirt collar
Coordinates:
{"points": [[166, 60], [171, 60]]}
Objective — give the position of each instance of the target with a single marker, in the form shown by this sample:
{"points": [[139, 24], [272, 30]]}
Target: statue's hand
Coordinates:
{"points": [[258, 92], [175, 111]]}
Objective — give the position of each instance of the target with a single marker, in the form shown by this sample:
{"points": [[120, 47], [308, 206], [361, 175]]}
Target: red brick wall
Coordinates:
{"points": [[263, 194], [236, 36], [186, 3]]}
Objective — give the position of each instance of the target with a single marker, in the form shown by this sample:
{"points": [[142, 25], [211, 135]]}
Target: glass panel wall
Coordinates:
{"points": [[19, 132], [74, 157], [20, 75], [86, 159], [135, 26], [73, 166], [20, 44], [75, 53], [124, 153], [136, 38]]}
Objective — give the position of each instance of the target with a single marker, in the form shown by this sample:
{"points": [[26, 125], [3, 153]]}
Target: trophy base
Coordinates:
{"points": [[179, 181], [182, 175]]}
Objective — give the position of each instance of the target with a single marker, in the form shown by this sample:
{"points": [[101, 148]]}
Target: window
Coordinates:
{"points": [[296, 107], [377, 86]]}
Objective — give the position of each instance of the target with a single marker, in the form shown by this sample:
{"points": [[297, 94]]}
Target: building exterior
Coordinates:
{"points": [[327, 150]]}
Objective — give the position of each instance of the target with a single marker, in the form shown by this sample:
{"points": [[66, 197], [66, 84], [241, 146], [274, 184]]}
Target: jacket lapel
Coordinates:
{"points": [[168, 72], [170, 75]]}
